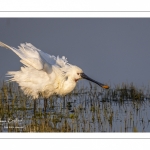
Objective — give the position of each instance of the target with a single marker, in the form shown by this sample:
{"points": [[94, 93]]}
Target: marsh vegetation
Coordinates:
{"points": [[125, 108]]}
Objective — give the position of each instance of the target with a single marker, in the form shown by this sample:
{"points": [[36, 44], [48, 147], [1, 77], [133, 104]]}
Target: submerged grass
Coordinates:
{"points": [[125, 108]]}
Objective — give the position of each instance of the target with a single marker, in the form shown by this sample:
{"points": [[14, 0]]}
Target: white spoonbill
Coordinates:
{"points": [[45, 74]]}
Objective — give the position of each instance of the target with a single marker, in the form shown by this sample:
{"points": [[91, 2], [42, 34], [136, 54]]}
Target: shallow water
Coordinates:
{"points": [[81, 111]]}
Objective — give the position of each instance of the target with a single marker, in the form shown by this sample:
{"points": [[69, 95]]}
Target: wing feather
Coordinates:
{"points": [[27, 55], [51, 59], [35, 58]]}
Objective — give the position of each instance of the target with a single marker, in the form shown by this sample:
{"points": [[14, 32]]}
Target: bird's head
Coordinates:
{"points": [[77, 74]]}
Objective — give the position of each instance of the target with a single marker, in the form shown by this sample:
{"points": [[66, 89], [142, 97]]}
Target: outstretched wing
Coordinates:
{"points": [[42, 73], [35, 58]]}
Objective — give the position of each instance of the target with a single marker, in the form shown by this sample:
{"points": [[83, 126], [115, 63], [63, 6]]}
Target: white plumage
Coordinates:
{"points": [[44, 74]]}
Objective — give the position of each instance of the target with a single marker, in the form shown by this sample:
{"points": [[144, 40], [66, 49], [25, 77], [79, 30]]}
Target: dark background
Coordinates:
{"points": [[110, 50]]}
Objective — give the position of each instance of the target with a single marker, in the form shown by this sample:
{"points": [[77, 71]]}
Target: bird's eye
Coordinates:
{"points": [[77, 73]]}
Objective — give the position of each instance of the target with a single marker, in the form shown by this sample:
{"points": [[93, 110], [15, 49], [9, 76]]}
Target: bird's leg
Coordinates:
{"points": [[64, 102], [45, 104], [34, 106]]}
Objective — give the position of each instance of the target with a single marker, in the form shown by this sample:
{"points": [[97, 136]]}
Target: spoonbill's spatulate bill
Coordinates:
{"points": [[45, 74]]}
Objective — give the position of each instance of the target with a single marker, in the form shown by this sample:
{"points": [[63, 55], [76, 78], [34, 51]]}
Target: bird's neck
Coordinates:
{"points": [[68, 86]]}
